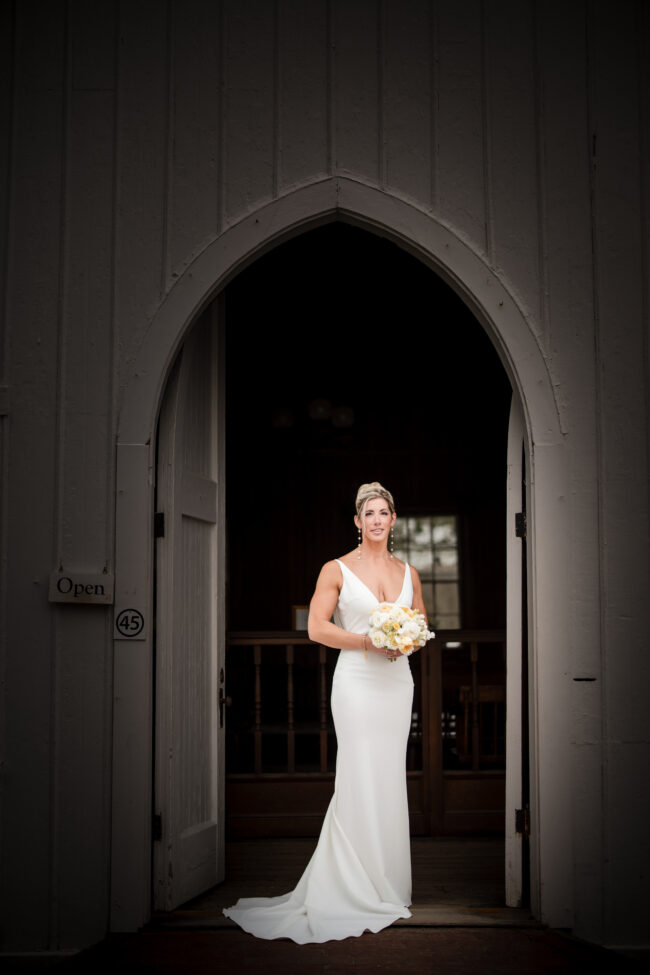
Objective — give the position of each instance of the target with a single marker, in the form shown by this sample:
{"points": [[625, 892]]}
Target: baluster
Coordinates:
{"points": [[291, 734], [257, 732], [322, 657], [475, 708]]}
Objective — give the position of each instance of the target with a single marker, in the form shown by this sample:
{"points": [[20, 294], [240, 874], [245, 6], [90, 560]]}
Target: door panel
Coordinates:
{"points": [[514, 638], [189, 747]]}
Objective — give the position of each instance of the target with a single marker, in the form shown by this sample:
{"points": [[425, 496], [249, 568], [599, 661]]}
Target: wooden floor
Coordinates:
{"points": [[456, 882]]}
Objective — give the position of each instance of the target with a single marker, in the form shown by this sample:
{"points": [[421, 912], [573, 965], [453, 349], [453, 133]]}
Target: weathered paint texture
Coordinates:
{"points": [[136, 137]]}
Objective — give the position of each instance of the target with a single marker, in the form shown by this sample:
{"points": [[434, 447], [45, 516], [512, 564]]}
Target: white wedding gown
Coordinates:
{"points": [[359, 877]]}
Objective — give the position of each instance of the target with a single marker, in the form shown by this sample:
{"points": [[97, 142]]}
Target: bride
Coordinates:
{"points": [[359, 877]]}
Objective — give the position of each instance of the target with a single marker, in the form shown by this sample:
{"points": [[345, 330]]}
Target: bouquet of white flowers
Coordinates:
{"points": [[397, 627]]}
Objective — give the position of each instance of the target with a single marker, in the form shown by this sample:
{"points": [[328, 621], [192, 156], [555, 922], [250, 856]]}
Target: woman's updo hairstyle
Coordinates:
{"points": [[373, 490]]}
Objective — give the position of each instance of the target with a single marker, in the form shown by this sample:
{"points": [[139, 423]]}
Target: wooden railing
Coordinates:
{"points": [[289, 640], [472, 695]]}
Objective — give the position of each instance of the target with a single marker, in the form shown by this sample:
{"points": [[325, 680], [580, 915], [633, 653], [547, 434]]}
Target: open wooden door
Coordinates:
{"points": [[189, 747], [516, 825]]}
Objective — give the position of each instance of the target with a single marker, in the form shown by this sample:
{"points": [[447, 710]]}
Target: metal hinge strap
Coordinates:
{"points": [[156, 827], [522, 821]]}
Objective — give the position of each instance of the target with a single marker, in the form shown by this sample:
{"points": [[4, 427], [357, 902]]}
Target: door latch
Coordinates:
{"points": [[222, 699]]}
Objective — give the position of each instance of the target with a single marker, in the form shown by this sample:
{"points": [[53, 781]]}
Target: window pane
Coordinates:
{"points": [[429, 544], [422, 560], [444, 530], [446, 599], [448, 622], [427, 593], [419, 530], [446, 563]]}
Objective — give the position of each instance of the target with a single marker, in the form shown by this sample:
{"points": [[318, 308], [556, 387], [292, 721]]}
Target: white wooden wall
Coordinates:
{"points": [[137, 133]]}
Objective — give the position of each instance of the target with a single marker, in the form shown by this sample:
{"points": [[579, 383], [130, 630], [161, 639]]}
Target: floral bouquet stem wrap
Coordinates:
{"points": [[395, 627]]}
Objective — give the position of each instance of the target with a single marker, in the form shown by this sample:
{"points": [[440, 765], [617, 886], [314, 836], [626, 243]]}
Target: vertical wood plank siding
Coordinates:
{"points": [[407, 97], [142, 169], [618, 176], [195, 150], [460, 148], [32, 345], [356, 94], [511, 146], [136, 132], [568, 307], [82, 698], [303, 64], [249, 98], [7, 26], [7, 56]]}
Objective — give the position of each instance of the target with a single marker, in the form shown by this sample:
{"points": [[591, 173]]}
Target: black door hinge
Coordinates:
{"points": [[156, 827], [159, 524], [522, 821], [520, 524]]}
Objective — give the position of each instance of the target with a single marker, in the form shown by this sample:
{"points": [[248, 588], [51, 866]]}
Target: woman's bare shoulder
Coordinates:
{"points": [[330, 571], [415, 575]]}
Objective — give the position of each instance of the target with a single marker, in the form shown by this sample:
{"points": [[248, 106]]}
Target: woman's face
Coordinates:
{"points": [[376, 520]]}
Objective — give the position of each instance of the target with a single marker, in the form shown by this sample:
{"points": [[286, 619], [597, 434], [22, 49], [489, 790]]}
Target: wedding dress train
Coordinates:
{"points": [[359, 877]]}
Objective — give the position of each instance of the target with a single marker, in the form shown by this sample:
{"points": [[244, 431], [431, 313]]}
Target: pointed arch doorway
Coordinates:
{"points": [[131, 851], [327, 380], [348, 361]]}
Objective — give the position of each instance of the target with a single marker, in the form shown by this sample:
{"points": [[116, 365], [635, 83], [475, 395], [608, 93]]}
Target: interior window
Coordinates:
{"points": [[430, 544]]}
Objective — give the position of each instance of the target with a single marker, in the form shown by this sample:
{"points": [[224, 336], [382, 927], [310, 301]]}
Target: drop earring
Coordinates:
{"points": [[359, 542], [392, 542]]}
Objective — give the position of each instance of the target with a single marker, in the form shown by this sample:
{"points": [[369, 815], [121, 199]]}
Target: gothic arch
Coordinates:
{"points": [[349, 200], [493, 304]]}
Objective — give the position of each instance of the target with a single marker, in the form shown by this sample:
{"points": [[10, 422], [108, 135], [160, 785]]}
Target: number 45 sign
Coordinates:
{"points": [[129, 624]]}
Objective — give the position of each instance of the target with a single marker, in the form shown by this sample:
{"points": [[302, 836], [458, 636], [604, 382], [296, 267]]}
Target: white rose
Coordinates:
{"points": [[411, 630]]}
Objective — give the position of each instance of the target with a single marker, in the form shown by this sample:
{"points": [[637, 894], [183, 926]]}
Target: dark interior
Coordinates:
{"points": [[348, 360]]}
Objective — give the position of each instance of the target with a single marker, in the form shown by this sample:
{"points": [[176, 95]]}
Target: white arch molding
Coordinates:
{"points": [[352, 201]]}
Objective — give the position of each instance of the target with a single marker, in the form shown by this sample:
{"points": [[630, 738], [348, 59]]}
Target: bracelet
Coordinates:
{"points": [[365, 649]]}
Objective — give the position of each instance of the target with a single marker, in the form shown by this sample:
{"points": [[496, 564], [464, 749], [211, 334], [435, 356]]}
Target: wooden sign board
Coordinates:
{"points": [[82, 588]]}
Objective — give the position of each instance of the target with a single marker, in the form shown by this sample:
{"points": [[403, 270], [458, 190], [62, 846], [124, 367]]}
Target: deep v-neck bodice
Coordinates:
{"points": [[399, 596], [357, 601]]}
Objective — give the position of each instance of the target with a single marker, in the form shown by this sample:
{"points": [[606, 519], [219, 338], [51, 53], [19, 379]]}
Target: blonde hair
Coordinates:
{"points": [[373, 490]]}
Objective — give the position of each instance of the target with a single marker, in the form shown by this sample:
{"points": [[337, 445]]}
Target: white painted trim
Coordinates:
{"points": [[132, 694], [549, 675], [495, 307], [339, 198]]}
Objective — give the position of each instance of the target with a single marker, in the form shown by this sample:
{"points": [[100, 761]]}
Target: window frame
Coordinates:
{"points": [[410, 513]]}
